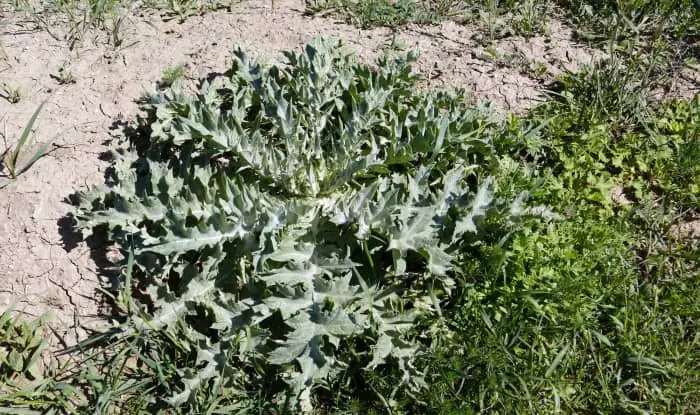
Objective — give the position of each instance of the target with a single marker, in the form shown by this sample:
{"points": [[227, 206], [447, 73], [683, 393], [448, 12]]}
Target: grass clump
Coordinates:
{"points": [[15, 161]]}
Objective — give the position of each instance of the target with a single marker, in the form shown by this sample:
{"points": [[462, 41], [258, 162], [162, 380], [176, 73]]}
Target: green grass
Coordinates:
{"points": [[594, 313]]}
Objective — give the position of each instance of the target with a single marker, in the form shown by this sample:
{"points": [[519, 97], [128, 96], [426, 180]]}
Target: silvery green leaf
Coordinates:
{"points": [[171, 310], [193, 378], [477, 209]]}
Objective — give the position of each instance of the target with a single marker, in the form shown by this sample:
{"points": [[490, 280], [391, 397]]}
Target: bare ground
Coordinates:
{"points": [[43, 266]]}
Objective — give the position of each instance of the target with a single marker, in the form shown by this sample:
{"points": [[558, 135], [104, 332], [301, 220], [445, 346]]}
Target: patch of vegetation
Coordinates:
{"points": [[502, 18], [106, 16], [670, 25], [677, 18], [24, 380], [372, 13], [64, 76], [318, 236], [182, 9]]}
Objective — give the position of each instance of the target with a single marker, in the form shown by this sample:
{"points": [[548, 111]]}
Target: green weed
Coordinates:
{"points": [[107, 16], [352, 268], [64, 76], [171, 75], [14, 159], [11, 94], [21, 345]]}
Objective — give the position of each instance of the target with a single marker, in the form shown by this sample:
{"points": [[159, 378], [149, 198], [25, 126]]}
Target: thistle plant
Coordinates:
{"points": [[286, 215]]}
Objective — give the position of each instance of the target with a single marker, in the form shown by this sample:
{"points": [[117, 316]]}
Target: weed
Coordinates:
{"points": [[505, 60], [530, 18], [21, 344], [14, 159], [172, 75], [64, 76], [403, 251], [27, 383], [11, 94], [537, 70], [81, 16], [109, 16]]}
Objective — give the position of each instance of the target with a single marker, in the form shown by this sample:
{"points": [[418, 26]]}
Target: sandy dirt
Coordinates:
{"points": [[43, 266]]}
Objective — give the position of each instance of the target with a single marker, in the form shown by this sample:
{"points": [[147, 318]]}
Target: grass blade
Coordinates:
{"points": [[557, 360], [39, 153]]}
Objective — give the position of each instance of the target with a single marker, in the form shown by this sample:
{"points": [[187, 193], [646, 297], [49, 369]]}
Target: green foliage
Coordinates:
{"points": [[673, 157], [288, 215], [30, 381], [560, 321], [601, 134], [594, 313], [320, 235], [255, 220], [509, 17], [21, 344], [81, 15], [633, 18], [525, 17]]}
